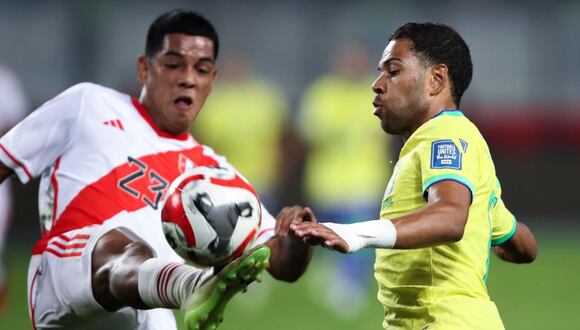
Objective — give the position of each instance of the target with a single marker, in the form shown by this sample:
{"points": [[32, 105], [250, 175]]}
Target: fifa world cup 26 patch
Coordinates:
{"points": [[445, 154]]}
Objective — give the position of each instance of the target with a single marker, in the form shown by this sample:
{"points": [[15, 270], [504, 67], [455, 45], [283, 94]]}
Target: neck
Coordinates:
{"points": [[431, 112], [148, 107]]}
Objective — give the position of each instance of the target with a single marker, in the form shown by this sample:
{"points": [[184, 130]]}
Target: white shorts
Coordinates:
{"points": [[60, 292]]}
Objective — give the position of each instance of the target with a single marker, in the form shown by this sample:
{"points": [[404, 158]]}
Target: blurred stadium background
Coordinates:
{"points": [[525, 97]]}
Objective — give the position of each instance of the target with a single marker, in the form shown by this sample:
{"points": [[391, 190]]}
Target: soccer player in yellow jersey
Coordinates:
{"points": [[442, 212]]}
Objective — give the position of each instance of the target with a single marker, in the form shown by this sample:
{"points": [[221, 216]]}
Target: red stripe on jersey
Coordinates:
{"points": [[54, 183], [68, 246], [105, 198], [63, 255], [149, 120], [238, 252], [120, 124], [77, 236], [16, 161]]}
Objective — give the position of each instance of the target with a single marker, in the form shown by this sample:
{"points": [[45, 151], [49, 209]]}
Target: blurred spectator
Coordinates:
{"points": [[244, 120], [13, 107], [345, 172]]}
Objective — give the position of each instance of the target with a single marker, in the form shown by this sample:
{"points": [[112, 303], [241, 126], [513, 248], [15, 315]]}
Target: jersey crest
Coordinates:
{"points": [[185, 163]]}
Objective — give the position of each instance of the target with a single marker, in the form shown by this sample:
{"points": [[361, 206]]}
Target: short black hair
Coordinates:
{"points": [[179, 21], [438, 43]]}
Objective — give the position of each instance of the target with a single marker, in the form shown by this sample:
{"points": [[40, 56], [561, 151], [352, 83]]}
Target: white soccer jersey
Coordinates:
{"points": [[100, 155]]}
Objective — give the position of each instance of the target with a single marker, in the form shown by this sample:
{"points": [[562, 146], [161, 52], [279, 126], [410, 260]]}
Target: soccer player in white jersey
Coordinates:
{"points": [[106, 161], [442, 210]]}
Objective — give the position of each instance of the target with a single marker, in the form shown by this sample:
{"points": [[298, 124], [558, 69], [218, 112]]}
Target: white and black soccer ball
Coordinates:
{"points": [[210, 215]]}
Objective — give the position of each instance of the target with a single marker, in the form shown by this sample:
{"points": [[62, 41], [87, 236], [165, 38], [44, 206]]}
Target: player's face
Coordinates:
{"points": [[401, 100], [177, 80]]}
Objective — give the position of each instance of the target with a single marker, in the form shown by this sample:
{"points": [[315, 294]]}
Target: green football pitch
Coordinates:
{"points": [[542, 295]]}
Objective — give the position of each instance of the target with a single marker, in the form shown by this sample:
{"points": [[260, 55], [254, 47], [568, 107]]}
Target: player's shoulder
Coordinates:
{"points": [[95, 90], [86, 90], [447, 124]]}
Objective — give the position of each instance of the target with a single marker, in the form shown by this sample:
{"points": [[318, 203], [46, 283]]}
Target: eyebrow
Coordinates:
{"points": [[388, 61], [172, 53], [178, 54]]}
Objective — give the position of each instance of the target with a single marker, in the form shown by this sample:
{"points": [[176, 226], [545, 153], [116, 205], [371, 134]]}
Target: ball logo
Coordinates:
{"points": [[210, 215], [184, 163], [222, 219]]}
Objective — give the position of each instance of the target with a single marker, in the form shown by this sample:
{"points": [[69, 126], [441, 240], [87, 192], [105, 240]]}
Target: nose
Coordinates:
{"points": [[378, 86], [187, 78]]}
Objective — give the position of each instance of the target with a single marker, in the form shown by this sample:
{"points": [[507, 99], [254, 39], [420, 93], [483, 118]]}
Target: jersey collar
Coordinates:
{"points": [[449, 112], [444, 112], [149, 120]]}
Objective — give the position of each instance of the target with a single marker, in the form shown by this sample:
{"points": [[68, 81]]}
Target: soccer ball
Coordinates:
{"points": [[210, 215]]}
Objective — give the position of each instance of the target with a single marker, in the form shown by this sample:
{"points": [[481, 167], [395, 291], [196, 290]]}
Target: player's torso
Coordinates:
{"points": [[417, 278], [117, 162]]}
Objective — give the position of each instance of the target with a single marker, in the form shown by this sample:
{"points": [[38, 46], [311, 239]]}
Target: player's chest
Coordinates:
{"points": [[403, 191], [135, 164]]}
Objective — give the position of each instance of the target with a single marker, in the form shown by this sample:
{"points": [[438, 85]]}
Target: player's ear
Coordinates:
{"points": [[438, 79], [142, 69]]}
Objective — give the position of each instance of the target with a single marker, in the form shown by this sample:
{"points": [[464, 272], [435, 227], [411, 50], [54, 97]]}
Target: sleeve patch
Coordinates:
{"points": [[445, 154]]}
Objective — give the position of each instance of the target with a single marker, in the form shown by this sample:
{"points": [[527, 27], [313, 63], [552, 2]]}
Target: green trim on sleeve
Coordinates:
{"points": [[449, 176], [504, 238]]}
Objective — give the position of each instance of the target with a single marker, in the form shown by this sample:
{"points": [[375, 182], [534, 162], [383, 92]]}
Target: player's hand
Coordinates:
{"points": [[499, 251], [293, 214], [317, 234]]}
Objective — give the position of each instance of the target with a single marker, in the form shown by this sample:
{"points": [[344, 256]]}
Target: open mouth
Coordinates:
{"points": [[377, 108], [183, 101]]}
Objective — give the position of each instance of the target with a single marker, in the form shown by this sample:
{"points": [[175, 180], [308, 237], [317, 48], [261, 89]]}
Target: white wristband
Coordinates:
{"points": [[380, 234]]}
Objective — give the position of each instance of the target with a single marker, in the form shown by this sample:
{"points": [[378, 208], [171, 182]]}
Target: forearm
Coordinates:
{"points": [[437, 223], [289, 258], [521, 248]]}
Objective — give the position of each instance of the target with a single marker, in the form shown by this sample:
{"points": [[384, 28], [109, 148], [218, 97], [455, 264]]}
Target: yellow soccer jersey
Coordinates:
{"points": [[442, 287]]}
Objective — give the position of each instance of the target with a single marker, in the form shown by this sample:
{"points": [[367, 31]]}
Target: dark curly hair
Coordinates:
{"points": [[438, 43], [179, 21]]}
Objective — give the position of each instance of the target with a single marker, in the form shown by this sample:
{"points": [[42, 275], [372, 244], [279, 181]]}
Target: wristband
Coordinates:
{"points": [[379, 234]]}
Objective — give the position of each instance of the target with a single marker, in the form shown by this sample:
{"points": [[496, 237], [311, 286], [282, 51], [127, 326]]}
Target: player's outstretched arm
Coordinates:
{"points": [[289, 255], [441, 221], [5, 172], [521, 248]]}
